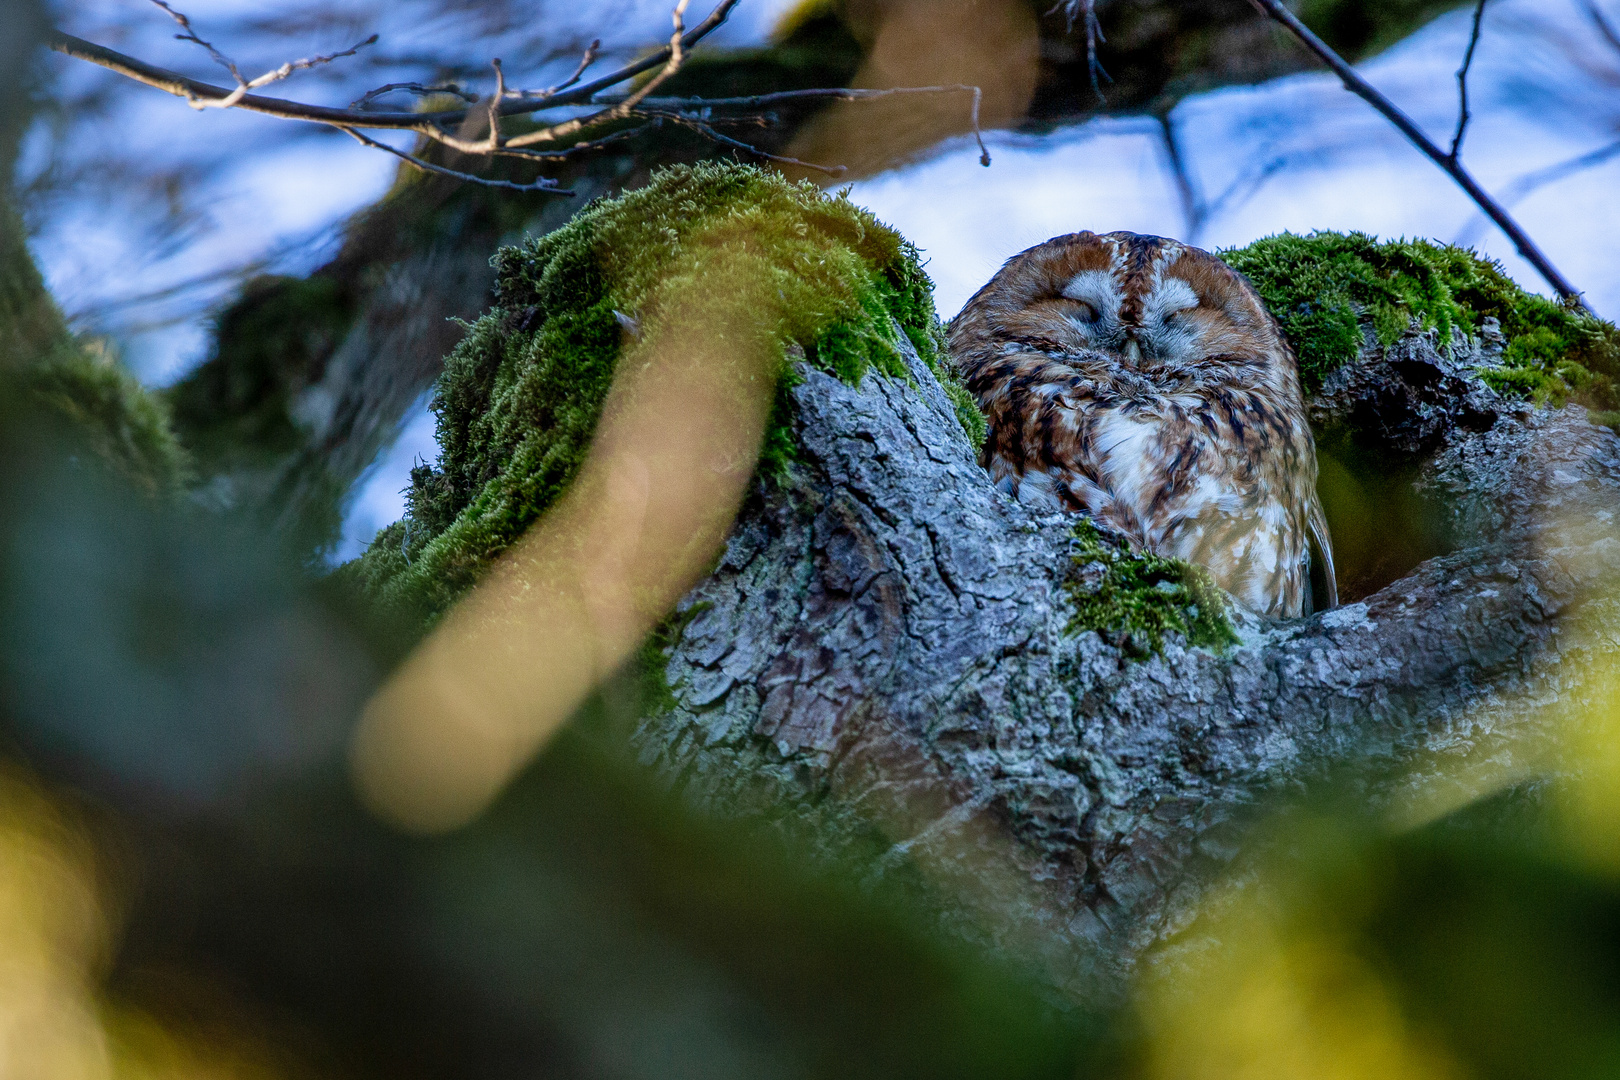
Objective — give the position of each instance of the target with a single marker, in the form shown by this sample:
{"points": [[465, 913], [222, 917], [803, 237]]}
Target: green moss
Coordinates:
{"points": [[1138, 599], [106, 408], [521, 395], [124, 423], [1325, 287]]}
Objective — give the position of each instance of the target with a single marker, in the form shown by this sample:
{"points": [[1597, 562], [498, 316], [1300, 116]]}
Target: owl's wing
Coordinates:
{"points": [[1322, 552]]}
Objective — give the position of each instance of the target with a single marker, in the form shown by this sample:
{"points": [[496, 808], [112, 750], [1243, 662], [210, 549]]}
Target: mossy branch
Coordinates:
{"points": [[1327, 288]]}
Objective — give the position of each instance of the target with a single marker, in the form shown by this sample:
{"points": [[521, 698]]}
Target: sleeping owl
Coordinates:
{"points": [[1143, 382]]}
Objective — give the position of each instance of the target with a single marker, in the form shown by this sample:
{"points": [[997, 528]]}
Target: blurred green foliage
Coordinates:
{"points": [[1325, 286]]}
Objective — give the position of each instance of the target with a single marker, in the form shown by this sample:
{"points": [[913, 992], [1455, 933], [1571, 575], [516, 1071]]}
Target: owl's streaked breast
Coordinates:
{"points": [[1143, 382]]}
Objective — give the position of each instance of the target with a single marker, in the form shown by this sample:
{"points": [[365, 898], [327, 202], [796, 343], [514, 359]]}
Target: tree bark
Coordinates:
{"points": [[883, 645]]}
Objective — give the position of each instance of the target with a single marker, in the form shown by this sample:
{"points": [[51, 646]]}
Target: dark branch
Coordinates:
{"points": [[1533, 181], [542, 186], [761, 101], [1462, 81], [1192, 207], [737, 144], [414, 88], [1372, 96]]}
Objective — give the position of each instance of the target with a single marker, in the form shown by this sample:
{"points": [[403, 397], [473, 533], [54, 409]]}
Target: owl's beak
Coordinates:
{"points": [[1132, 352]]}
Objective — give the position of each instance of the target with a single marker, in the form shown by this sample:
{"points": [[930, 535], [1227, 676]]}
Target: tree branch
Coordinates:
{"points": [[1462, 82], [443, 126], [542, 186], [761, 101], [1372, 96], [184, 86], [244, 85]]}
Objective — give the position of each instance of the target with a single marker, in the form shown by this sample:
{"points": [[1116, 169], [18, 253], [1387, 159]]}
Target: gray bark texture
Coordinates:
{"points": [[883, 647]]}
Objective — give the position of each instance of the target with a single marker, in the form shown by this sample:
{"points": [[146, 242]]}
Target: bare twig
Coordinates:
{"points": [[1462, 81], [542, 186], [446, 126], [576, 149], [414, 88], [495, 100], [1534, 181], [585, 61], [1094, 34], [183, 86], [677, 57], [244, 85], [1370, 94], [762, 101], [726, 140]]}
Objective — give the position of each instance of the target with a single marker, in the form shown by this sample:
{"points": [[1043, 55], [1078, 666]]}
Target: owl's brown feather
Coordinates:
{"points": [[1143, 382]]}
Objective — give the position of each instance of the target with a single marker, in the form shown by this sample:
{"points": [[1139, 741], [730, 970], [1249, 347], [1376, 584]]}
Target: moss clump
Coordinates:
{"points": [[520, 396], [1138, 599], [1325, 286], [123, 423], [79, 380]]}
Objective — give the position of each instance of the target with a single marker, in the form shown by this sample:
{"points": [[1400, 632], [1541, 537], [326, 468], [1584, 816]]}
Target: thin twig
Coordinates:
{"points": [[495, 100], [542, 186], [1530, 182], [578, 148], [1094, 34], [244, 85], [185, 87], [415, 88], [759, 101], [677, 57], [584, 62], [1462, 82], [726, 140], [1370, 94]]}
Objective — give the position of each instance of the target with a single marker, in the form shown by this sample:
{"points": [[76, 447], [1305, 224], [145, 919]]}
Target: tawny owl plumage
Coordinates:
{"points": [[1143, 382]]}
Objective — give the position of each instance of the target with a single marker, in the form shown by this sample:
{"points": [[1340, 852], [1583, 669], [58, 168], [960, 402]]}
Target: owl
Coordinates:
{"points": [[1142, 381]]}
